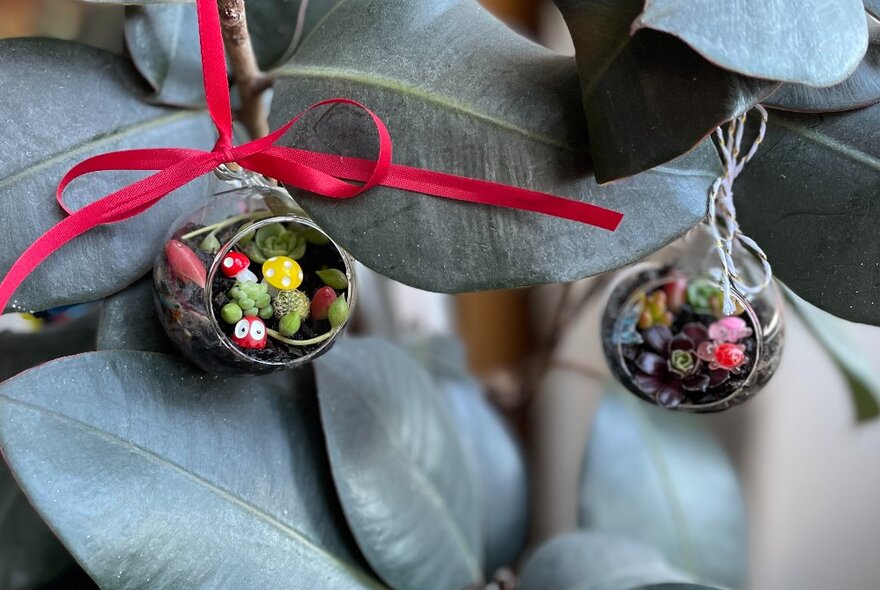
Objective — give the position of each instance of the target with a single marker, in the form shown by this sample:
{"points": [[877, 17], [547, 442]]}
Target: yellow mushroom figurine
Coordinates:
{"points": [[282, 274]]}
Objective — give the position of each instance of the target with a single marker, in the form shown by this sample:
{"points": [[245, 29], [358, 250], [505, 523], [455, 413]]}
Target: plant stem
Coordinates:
{"points": [[314, 340], [564, 313], [245, 70], [226, 222]]}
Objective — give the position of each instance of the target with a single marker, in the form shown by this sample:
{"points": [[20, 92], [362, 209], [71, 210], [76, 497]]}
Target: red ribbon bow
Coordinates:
{"points": [[311, 171]]}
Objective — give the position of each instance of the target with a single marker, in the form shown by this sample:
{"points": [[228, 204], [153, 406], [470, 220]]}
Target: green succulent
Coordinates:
{"points": [[250, 299], [338, 312], [333, 277], [292, 301], [683, 362], [705, 296], [275, 240], [289, 324]]}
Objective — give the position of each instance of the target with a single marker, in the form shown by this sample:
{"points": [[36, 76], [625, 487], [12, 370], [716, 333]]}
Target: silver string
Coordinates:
{"points": [[722, 211]]}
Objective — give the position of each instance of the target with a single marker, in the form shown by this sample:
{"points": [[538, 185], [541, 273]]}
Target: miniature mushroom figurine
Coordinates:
{"points": [[250, 332], [282, 274], [235, 266]]}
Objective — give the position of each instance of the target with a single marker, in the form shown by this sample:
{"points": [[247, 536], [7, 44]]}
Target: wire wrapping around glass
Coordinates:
{"points": [[667, 339]]}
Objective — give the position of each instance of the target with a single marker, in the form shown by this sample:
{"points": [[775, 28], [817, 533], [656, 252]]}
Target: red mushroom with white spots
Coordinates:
{"points": [[235, 266], [250, 332]]}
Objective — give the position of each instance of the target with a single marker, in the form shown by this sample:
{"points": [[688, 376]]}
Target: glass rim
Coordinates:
{"points": [[215, 265], [757, 327]]}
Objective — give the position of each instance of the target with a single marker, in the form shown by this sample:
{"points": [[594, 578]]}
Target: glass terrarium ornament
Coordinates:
{"points": [[249, 285], [702, 330]]}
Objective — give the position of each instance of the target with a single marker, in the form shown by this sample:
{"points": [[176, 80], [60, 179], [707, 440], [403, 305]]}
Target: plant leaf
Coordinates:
{"points": [[462, 93], [586, 560], [801, 41], [70, 102], [128, 321], [648, 97], [118, 450], [831, 333], [278, 26], [30, 554], [498, 460], [861, 89], [399, 466], [163, 41], [809, 199], [659, 478]]}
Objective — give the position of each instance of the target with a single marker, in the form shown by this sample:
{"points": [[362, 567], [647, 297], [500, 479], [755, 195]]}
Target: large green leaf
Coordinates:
{"points": [[278, 26], [63, 102], [594, 561], [803, 41], [462, 93], [659, 478], [30, 554], [128, 321], [163, 41], [861, 89], [855, 366], [648, 97], [498, 459], [400, 467], [810, 199], [155, 475]]}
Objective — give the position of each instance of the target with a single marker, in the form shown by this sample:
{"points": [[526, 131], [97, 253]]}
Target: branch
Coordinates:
{"points": [[565, 312], [245, 70]]}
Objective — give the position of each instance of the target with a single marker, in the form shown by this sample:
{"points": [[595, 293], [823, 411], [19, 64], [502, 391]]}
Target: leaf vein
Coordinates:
{"points": [[225, 495], [445, 102]]}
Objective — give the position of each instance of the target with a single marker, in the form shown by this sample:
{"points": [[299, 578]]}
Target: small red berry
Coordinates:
{"points": [[321, 302], [729, 356]]}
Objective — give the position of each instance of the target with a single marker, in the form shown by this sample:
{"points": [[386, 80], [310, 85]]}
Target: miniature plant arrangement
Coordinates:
{"points": [[241, 289], [668, 341], [373, 467]]}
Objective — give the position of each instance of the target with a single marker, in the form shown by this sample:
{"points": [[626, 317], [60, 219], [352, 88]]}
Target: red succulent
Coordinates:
{"points": [[672, 367]]}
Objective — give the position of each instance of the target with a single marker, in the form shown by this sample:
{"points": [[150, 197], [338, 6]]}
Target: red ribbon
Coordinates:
{"points": [[311, 171]]}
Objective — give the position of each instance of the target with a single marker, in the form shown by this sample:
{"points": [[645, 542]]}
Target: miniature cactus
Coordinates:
{"points": [[251, 298], [292, 301]]}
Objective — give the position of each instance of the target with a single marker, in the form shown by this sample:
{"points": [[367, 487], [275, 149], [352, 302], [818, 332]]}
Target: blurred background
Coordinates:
{"points": [[809, 472]]}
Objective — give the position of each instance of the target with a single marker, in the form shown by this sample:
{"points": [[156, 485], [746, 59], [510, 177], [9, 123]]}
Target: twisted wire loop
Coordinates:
{"points": [[240, 177], [722, 221]]}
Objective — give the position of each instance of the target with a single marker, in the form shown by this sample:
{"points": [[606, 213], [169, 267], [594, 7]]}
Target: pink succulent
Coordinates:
{"points": [[729, 329]]}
